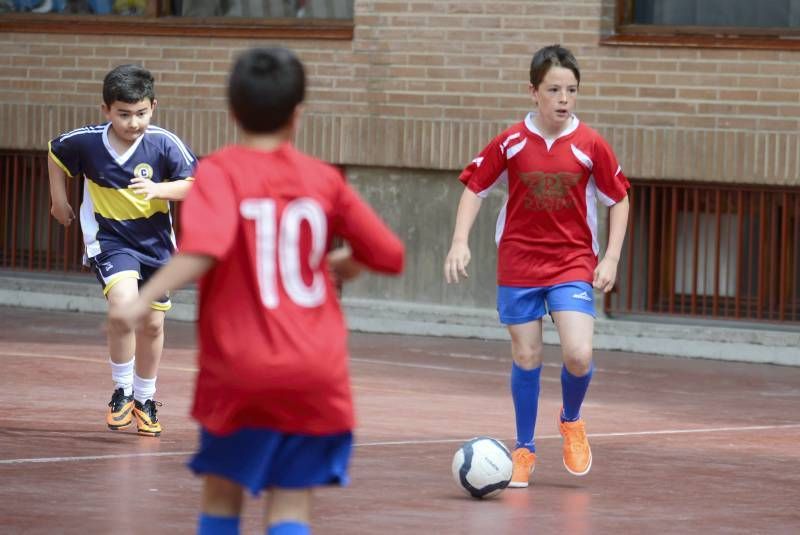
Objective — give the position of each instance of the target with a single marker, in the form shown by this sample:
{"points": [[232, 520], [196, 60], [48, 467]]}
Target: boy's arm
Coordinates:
{"points": [[174, 190], [459, 256], [606, 272], [59, 207], [180, 270], [372, 243]]}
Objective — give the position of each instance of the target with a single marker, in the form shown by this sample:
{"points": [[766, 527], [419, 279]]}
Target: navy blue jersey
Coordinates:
{"points": [[112, 216]]}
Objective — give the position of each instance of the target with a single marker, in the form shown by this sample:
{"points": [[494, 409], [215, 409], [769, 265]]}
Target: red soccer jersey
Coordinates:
{"points": [[547, 230], [272, 338]]}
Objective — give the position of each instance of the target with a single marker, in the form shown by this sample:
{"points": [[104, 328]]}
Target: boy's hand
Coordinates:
{"points": [[63, 213], [146, 187], [605, 274], [342, 265], [456, 262]]}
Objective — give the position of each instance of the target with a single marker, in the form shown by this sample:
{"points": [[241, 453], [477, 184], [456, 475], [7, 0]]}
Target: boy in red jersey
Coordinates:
{"points": [[556, 169], [273, 392]]}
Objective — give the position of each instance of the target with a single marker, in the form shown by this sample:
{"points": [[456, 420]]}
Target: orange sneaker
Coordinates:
{"points": [[146, 420], [120, 408], [524, 463], [576, 451]]}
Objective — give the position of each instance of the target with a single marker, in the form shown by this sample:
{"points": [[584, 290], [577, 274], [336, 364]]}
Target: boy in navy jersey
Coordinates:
{"points": [[132, 171], [273, 390], [556, 168]]}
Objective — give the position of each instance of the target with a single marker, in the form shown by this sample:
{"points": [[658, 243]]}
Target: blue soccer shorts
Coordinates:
{"points": [[259, 459], [520, 305], [114, 266]]}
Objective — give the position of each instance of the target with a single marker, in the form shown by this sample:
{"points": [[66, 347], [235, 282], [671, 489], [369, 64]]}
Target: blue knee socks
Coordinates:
{"points": [[573, 390], [229, 525], [525, 393], [217, 525], [289, 528]]}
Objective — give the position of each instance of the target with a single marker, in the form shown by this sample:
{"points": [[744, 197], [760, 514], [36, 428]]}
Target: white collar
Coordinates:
{"points": [[531, 126]]}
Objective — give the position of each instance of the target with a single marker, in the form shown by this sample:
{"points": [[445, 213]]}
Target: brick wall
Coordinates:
{"points": [[424, 84]]}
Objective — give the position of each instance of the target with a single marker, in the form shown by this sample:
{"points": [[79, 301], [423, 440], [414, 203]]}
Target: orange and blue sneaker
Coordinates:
{"points": [[146, 420], [120, 410], [524, 463], [576, 451]]}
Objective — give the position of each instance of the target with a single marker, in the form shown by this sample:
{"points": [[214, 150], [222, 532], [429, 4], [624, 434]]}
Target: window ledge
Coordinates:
{"points": [[701, 41], [328, 29]]}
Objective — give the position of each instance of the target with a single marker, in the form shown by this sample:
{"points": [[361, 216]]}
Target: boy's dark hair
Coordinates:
{"points": [[265, 86], [129, 84], [552, 56]]}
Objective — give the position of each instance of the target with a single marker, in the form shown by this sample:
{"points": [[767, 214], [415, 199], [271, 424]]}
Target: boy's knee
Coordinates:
{"points": [[578, 360], [527, 357], [118, 303], [153, 326]]}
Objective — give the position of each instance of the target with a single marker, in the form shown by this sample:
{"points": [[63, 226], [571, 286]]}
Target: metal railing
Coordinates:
{"points": [[718, 251], [32, 239]]}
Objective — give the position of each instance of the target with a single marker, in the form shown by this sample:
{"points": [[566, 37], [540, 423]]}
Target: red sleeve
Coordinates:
{"points": [[209, 214], [372, 242], [486, 170], [611, 183]]}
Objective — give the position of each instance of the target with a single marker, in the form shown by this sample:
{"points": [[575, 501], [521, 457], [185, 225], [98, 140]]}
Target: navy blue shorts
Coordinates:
{"points": [[521, 305], [114, 266], [259, 459]]}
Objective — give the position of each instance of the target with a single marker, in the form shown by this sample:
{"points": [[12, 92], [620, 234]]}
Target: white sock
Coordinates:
{"points": [[143, 389], [122, 375]]}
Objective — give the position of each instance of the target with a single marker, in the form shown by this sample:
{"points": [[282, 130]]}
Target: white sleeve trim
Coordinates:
{"points": [[501, 178]]}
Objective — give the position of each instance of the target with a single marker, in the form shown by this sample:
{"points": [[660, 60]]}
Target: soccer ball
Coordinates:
{"points": [[482, 467]]}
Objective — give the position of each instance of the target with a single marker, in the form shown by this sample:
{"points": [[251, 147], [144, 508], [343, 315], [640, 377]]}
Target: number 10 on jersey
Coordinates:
{"points": [[278, 249]]}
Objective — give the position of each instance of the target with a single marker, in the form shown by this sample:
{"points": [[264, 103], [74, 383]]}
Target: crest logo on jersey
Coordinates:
{"points": [[143, 170], [549, 191]]}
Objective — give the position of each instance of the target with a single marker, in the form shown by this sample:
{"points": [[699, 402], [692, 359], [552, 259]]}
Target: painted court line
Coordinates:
{"points": [[440, 368], [598, 435], [194, 369], [406, 443], [23, 354], [496, 358]]}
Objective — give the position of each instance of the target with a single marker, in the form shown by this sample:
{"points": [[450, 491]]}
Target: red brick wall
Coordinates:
{"points": [[424, 84]]}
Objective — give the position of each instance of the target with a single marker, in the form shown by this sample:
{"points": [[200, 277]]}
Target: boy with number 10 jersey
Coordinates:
{"points": [[273, 391], [272, 336]]}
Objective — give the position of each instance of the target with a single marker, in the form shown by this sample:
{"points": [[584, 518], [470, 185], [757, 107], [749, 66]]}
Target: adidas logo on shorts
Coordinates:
{"points": [[583, 296]]}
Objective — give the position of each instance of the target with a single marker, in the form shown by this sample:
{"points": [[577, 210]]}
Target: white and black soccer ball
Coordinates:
{"points": [[482, 467]]}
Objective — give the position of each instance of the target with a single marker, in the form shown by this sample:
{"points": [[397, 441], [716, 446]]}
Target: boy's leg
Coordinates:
{"points": [[526, 352], [521, 309], [288, 511], [122, 341], [149, 347], [575, 331], [121, 349], [221, 507]]}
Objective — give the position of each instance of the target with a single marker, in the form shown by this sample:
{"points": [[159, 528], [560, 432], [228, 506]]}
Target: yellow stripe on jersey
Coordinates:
{"points": [[56, 160], [123, 204]]}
